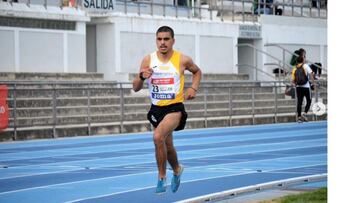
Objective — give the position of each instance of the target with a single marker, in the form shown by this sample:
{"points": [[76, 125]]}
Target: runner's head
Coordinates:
{"points": [[165, 39]]}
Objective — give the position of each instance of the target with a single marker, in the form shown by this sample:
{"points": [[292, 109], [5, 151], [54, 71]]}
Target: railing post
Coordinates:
{"points": [[88, 110], [122, 108], [54, 109], [205, 105], [176, 8], [152, 7], [164, 8], [316, 92], [79, 3], [14, 111], [211, 10], [230, 104], [222, 10], [189, 8], [283, 7], [243, 11], [138, 8], [296, 96], [255, 64], [200, 11], [283, 64], [233, 10], [276, 101], [253, 103], [125, 6]]}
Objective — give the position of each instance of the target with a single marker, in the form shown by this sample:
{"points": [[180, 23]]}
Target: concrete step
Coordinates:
{"points": [[78, 115], [64, 102], [238, 104], [41, 114], [243, 89], [116, 100], [110, 90], [30, 76], [208, 77], [46, 92]]}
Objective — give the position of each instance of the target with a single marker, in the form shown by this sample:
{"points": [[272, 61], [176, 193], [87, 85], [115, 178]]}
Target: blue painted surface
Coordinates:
{"points": [[122, 168]]}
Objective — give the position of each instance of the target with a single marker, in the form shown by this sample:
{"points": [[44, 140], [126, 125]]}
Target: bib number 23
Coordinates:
{"points": [[155, 88]]}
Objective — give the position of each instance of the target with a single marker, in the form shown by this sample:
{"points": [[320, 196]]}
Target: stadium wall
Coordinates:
{"points": [[114, 43], [35, 39], [123, 41]]}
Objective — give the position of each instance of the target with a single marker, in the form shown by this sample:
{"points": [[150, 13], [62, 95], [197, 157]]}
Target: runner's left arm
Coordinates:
{"points": [[195, 70]]}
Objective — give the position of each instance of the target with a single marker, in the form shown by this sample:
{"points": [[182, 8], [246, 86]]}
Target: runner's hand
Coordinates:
{"points": [[147, 72], [190, 94]]}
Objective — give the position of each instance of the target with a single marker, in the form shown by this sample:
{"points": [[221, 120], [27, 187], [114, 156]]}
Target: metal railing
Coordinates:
{"points": [[285, 69], [280, 63], [224, 10], [291, 53], [55, 106]]}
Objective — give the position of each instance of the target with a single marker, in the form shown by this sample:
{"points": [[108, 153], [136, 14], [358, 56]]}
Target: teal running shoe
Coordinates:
{"points": [[175, 182], [161, 186]]}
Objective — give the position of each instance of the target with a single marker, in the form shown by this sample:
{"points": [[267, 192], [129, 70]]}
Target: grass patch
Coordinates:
{"points": [[316, 196]]}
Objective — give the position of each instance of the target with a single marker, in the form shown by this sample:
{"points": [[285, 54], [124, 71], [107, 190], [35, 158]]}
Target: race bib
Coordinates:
{"points": [[162, 88]]}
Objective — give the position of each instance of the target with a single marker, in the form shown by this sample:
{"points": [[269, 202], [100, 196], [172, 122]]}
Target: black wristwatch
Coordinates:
{"points": [[141, 76]]}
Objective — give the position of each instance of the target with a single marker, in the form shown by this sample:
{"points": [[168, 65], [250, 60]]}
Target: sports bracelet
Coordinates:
{"points": [[141, 76], [194, 89]]}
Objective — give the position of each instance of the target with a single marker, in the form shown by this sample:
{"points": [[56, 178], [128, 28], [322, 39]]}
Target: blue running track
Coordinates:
{"points": [[122, 168]]}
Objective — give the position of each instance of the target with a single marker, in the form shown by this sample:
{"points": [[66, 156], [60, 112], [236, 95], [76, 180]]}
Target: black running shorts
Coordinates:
{"points": [[157, 114]]}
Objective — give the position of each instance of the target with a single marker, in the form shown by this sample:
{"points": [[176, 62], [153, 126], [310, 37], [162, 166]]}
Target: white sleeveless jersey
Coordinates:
{"points": [[166, 84]]}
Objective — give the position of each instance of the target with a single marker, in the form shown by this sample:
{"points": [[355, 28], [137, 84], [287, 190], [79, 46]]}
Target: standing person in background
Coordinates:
{"points": [[164, 72], [300, 79], [316, 68], [296, 54]]}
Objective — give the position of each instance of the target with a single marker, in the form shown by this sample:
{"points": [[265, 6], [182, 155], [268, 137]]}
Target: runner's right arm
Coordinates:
{"points": [[145, 71]]}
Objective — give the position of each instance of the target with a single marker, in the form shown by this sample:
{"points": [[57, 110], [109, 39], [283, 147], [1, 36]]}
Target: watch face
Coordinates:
{"points": [[319, 108]]}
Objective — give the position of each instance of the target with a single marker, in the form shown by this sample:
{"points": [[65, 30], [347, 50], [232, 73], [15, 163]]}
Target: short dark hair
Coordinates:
{"points": [[166, 29], [302, 51], [300, 59]]}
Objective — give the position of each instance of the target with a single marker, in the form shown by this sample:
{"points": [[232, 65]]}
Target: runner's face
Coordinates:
{"points": [[164, 42]]}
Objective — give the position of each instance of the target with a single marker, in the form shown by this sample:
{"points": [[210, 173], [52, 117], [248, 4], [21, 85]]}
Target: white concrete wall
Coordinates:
{"points": [[216, 54], [43, 50], [106, 45], [123, 41], [212, 45], [7, 50]]}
